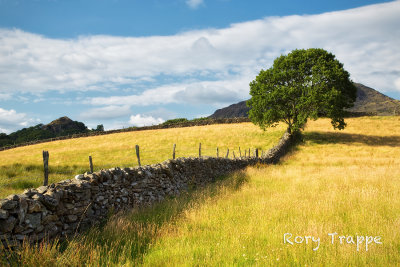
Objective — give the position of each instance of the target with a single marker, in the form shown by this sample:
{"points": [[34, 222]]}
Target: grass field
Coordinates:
{"points": [[345, 182], [22, 167]]}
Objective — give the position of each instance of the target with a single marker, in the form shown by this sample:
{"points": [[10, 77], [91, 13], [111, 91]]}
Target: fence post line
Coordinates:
{"points": [[91, 164], [46, 167], [249, 153], [138, 155], [199, 150], [173, 152], [256, 152], [227, 152], [217, 153]]}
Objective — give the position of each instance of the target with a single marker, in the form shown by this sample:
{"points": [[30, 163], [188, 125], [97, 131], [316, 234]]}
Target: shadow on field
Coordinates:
{"points": [[125, 238], [346, 138]]}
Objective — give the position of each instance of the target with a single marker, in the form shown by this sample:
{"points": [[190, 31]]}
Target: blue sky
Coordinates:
{"points": [[122, 63]]}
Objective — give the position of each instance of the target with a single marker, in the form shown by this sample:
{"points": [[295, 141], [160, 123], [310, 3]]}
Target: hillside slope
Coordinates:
{"points": [[22, 167], [334, 182], [368, 102]]}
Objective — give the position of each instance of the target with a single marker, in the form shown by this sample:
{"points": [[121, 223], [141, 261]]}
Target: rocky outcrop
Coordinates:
{"points": [[63, 208], [65, 124]]}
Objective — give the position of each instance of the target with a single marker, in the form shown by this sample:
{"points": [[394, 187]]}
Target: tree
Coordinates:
{"points": [[100, 128], [301, 85]]}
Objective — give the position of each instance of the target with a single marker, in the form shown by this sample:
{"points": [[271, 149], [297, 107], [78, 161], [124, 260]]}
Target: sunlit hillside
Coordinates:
{"points": [[23, 167]]}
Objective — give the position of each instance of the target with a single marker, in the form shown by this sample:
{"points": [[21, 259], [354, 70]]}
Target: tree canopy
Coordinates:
{"points": [[301, 85]]}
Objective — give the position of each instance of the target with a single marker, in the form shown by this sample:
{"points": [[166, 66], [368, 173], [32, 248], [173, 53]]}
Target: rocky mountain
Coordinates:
{"points": [[368, 102]]}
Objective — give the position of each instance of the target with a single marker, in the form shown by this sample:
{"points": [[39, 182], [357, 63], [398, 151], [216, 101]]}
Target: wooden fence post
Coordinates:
{"points": [[227, 152], [138, 155], [217, 153], [199, 150], [256, 152], [249, 153], [91, 164], [173, 152], [46, 167]]}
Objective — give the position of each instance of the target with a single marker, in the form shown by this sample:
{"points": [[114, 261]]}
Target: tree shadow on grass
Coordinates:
{"points": [[126, 237], [346, 138]]}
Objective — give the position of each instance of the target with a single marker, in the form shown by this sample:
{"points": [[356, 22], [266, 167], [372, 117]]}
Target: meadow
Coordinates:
{"points": [[22, 167], [345, 182]]}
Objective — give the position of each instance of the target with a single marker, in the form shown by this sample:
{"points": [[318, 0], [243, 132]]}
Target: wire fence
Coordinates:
{"points": [[20, 176], [141, 157]]}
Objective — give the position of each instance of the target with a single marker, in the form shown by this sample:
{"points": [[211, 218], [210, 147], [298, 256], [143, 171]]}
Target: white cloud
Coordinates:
{"points": [[210, 64], [162, 113], [4, 97], [107, 112], [11, 121], [159, 95], [142, 120], [212, 92], [206, 92], [194, 3]]}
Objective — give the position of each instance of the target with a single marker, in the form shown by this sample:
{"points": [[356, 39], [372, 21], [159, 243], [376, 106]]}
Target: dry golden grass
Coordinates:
{"points": [[346, 182], [23, 167]]}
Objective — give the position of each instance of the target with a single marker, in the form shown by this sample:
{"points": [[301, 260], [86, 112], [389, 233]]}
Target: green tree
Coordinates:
{"points": [[301, 85], [100, 128]]}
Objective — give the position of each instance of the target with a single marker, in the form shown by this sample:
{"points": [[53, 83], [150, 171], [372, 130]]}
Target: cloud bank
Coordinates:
{"points": [[10, 120], [366, 40], [211, 66], [142, 120]]}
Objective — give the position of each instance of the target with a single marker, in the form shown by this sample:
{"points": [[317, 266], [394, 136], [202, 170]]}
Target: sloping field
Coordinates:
{"points": [[345, 182], [22, 167]]}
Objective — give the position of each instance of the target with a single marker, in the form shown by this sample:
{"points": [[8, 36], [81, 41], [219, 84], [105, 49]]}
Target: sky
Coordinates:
{"points": [[125, 63]]}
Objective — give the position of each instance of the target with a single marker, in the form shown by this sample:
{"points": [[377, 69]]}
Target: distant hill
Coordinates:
{"points": [[60, 127], [65, 125], [375, 103], [368, 102]]}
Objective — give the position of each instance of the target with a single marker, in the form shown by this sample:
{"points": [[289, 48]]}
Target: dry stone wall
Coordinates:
{"points": [[63, 208]]}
